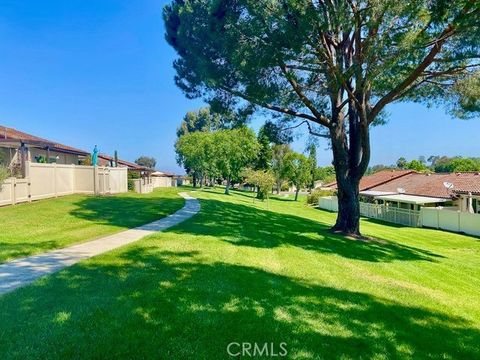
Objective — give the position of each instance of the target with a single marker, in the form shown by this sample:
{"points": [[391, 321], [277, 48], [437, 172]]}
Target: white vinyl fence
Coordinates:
{"points": [[143, 185], [438, 218], [52, 180], [452, 220]]}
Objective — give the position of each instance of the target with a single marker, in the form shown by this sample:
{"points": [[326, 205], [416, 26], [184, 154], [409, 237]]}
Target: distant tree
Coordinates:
{"points": [[263, 180], [460, 164], [432, 159], [312, 158], [402, 163], [146, 161], [416, 165], [297, 170], [264, 160], [278, 163], [446, 164], [422, 159], [326, 174], [200, 120], [233, 150], [195, 151], [376, 168]]}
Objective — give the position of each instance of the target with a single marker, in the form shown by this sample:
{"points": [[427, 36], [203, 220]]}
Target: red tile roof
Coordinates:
{"points": [[10, 134], [128, 164], [433, 184], [381, 177]]}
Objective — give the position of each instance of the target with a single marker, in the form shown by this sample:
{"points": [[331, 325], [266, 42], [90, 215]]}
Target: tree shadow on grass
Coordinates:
{"points": [[126, 212], [148, 303], [243, 225]]}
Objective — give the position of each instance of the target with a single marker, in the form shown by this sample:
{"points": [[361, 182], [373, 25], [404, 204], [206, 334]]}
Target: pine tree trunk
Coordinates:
{"points": [[297, 190], [348, 219]]}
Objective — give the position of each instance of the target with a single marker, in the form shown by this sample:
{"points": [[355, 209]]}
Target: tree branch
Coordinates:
{"points": [[310, 130], [270, 106], [390, 96], [306, 101]]}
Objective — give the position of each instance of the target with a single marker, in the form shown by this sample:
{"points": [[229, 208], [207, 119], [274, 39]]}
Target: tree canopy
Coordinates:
{"points": [[222, 153], [147, 161], [297, 169], [333, 65]]}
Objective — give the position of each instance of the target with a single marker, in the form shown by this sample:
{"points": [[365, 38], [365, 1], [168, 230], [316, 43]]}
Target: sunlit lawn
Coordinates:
{"points": [[40, 226], [238, 272]]}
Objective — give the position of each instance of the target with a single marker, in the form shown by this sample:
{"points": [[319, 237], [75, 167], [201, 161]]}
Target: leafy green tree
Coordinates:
{"points": [[376, 168], [465, 164], [196, 152], [333, 64], [263, 180], [312, 158], [326, 174], [146, 161], [416, 165], [264, 161], [200, 120], [278, 163], [297, 169], [233, 151], [446, 164]]}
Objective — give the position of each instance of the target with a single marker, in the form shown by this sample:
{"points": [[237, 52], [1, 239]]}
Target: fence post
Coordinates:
{"points": [[12, 185], [55, 179], [95, 180], [458, 222]]}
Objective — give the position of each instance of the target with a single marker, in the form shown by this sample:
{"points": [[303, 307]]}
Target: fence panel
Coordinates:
{"points": [[451, 220], [84, 180], [117, 180], [6, 192], [42, 181], [64, 179], [470, 223], [52, 180]]}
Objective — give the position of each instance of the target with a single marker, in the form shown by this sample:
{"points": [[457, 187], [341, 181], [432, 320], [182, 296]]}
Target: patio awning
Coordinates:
{"points": [[411, 199], [376, 193]]}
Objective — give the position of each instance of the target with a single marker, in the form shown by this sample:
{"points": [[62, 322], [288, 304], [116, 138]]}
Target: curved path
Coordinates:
{"points": [[23, 271]]}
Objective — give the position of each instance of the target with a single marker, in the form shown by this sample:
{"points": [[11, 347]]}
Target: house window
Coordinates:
{"points": [[476, 206]]}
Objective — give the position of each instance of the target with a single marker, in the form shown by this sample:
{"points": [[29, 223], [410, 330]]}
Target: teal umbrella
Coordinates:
{"points": [[95, 156]]}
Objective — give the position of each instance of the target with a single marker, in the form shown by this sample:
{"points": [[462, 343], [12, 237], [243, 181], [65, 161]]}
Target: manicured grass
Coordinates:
{"points": [[237, 272], [54, 223]]}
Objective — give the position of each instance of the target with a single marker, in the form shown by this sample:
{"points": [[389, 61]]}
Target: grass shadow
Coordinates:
{"points": [[175, 304], [249, 226], [126, 212]]}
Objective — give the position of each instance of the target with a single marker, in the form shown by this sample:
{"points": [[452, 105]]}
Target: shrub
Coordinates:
{"points": [[131, 177], [4, 175], [315, 195]]}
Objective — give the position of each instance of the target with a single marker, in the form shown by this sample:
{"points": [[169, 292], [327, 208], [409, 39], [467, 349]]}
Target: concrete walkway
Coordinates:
{"points": [[21, 272]]}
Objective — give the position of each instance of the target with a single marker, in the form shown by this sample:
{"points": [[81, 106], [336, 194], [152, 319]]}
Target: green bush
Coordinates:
{"points": [[132, 175], [315, 195], [4, 174]]}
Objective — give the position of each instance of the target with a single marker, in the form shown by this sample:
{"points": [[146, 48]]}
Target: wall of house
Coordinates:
{"points": [[53, 180], [163, 181], [9, 155], [143, 185], [63, 159]]}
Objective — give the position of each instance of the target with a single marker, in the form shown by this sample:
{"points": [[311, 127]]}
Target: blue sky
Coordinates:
{"points": [[86, 72]]}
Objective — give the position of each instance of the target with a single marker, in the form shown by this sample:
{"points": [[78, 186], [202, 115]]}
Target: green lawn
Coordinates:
{"points": [[54, 223], [238, 272]]}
